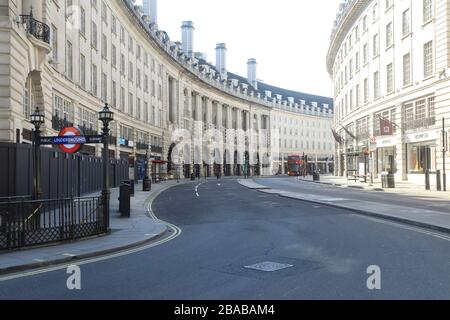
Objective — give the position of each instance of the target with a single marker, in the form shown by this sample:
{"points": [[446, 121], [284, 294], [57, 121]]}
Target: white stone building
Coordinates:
{"points": [[389, 60], [71, 57]]}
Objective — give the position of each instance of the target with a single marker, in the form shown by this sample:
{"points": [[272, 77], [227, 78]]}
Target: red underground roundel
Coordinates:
{"points": [[70, 132]]}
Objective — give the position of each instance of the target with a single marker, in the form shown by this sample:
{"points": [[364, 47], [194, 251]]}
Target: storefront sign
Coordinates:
{"points": [[420, 137], [382, 143]]}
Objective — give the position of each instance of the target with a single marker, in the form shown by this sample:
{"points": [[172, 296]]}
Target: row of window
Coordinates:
{"points": [[352, 99], [138, 76], [305, 145], [416, 114], [354, 36], [349, 70], [130, 134]]}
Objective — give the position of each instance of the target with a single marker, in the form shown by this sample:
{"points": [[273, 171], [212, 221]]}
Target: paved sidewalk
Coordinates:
{"points": [[418, 217], [401, 187], [126, 233]]}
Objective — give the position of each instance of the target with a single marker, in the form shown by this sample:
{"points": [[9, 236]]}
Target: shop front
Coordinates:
{"points": [[386, 155], [421, 155]]}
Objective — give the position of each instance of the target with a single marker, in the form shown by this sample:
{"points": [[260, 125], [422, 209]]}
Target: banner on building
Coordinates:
{"points": [[386, 127], [351, 135], [337, 137]]}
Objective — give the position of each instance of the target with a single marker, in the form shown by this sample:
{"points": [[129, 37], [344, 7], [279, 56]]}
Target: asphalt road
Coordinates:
{"points": [[226, 227], [296, 185]]}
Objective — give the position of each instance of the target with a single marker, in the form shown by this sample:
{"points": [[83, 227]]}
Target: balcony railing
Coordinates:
{"points": [[37, 29], [362, 135], [88, 131], [112, 140], [141, 146], [58, 123], [424, 123], [157, 149]]}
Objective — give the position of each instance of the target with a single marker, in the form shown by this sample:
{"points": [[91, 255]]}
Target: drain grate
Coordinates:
{"points": [[269, 266]]}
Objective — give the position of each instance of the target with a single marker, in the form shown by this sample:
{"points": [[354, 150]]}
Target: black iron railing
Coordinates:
{"points": [[88, 131], [25, 223], [364, 135], [37, 29], [112, 140], [420, 123], [58, 123], [15, 198], [157, 149], [141, 146]]}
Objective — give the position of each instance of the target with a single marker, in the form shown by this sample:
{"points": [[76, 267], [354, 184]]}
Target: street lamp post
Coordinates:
{"points": [[106, 116], [37, 119]]}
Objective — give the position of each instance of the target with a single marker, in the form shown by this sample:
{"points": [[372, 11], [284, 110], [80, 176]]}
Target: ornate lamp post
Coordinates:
{"points": [[37, 119], [106, 116]]}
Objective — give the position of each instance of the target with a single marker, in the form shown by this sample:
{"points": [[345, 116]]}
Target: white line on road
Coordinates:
{"points": [[406, 227], [196, 190], [69, 255]]}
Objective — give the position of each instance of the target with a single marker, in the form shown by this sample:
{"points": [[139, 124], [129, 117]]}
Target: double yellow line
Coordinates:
{"points": [[176, 232]]}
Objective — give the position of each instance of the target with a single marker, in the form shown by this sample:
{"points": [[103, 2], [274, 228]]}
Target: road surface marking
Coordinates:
{"points": [[174, 232], [69, 255], [196, 189], [410, 228]]}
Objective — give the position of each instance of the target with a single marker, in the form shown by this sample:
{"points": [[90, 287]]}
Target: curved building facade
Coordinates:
{"points": [[186, 112], [389, 63]]}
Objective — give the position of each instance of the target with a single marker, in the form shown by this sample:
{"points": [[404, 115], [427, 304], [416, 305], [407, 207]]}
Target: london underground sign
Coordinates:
{"points": [[70, 140]]}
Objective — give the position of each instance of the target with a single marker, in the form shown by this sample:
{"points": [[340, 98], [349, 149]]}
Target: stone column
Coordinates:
{"points": [[208, 112], [198, 108], [173, 99], [229, 117], [219, 115]]}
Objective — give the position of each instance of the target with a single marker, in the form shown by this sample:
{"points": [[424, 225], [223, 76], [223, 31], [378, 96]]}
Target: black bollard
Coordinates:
{"points": [[438, 180], [427, 180]]}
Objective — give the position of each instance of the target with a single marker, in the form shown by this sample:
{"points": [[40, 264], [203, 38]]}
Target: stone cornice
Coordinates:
{"points": [[169, 49], [350, 15]]}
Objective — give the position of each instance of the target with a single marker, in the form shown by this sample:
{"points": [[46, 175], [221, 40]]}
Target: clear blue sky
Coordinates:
{"points": [[289, 38]]}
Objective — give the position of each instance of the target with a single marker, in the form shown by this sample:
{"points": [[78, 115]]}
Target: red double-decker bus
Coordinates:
{"points": [[296, 165]]}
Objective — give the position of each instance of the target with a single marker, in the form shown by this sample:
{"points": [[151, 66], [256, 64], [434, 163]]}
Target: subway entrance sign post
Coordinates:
{"points": [[70, 140]]}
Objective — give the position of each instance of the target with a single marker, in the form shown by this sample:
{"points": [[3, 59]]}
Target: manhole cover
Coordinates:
{"points": [[269, 266]]}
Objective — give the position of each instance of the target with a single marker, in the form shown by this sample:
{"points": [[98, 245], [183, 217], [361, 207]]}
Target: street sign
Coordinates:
{"points": [[70, 140]]}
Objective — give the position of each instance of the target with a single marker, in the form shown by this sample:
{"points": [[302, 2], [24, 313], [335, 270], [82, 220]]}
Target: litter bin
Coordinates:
{"points": [[131, 184], [193, 176], [384, 183], [316, 176], [124, 200], [390, 181], [147, 185], [387, 180]]}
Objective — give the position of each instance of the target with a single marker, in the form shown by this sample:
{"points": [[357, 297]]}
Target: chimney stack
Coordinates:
{"points": [[187, 35], [251, 73], [221, 59]]}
